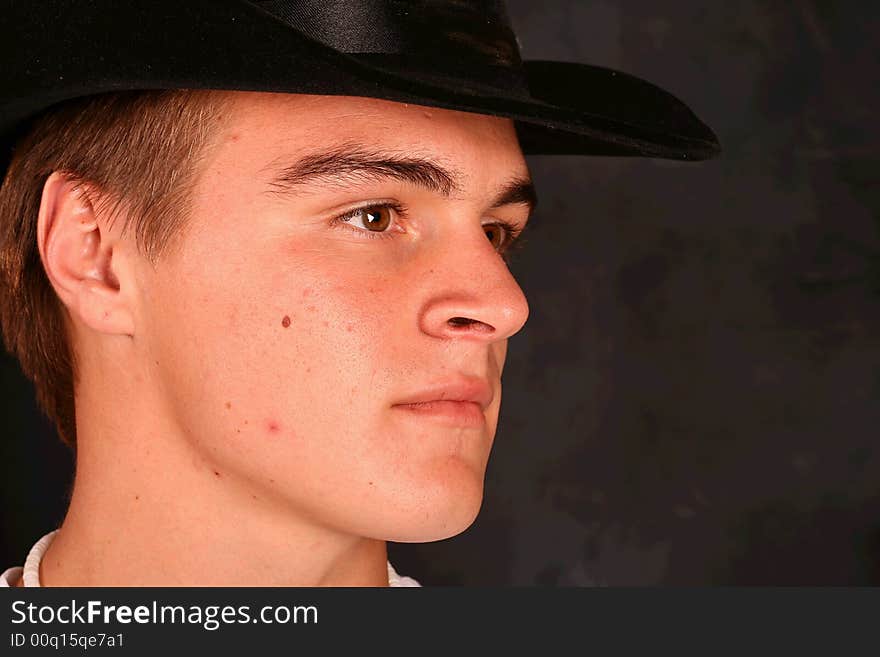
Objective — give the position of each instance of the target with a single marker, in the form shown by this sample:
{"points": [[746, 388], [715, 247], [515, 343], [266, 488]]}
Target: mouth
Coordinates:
{"points": [[447, 412]]}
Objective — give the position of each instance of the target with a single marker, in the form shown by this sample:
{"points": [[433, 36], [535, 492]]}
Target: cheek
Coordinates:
{"points": [[292, 353]]}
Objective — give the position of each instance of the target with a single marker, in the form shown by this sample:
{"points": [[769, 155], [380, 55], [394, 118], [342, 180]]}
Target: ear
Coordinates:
{"points": [[78, 255]]}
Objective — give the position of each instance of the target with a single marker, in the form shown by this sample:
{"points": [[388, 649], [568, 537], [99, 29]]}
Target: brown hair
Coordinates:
{"points": [[139, 152]]}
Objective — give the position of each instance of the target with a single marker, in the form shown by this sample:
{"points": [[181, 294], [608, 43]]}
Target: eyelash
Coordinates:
{"points": [[512, 241]]}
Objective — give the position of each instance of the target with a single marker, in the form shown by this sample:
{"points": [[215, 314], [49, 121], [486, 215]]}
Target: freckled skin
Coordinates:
{"points": [[372, 317]]}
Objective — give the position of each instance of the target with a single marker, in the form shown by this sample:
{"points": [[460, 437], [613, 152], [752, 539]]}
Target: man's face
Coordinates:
{"points": [[284, 337]]}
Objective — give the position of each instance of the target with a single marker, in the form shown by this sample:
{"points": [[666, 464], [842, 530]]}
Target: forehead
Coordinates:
{"points": [[298, 123]]}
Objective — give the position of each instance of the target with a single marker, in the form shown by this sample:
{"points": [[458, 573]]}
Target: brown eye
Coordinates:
{"points": [[496, 235], [377, 218]]}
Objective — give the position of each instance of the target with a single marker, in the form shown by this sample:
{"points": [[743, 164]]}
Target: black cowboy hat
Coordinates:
{"points": [[453, 54]]}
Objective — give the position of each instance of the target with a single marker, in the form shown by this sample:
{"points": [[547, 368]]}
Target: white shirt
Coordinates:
{"points": [[31, 568]]}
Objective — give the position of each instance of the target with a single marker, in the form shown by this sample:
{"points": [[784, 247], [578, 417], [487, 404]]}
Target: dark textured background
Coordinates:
{"points": [[696, 396]]}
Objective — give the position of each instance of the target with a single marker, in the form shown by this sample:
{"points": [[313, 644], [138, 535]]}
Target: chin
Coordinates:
{"points": [[442, 512]]}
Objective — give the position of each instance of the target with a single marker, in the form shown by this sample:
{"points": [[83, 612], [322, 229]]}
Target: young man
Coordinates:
{"points": [[272, 314]]}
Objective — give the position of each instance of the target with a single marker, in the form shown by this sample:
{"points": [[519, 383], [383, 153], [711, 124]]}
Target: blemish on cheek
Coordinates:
{"points": [[326, 323], [228, 404], [306, 292], [272, 426], [349, 328], [216, 473], [137, 497], [311, 308], [285, 322]]}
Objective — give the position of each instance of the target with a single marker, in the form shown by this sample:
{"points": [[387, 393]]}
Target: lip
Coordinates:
{"points": [[455, 413], [461, 389], [458, 402]]}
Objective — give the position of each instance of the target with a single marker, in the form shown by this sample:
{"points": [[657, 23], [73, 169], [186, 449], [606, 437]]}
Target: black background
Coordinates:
{"points": [[695, 398]]}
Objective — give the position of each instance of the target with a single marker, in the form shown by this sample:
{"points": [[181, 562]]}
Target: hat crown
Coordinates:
{"points": [[477, 29], [444, 33]]}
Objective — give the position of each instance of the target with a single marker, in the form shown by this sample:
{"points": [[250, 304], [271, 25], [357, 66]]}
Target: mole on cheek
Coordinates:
{"points": [[285, 322]]}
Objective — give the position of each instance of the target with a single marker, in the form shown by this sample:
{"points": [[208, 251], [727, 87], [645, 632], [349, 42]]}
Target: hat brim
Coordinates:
{"points": [[570, 109]]}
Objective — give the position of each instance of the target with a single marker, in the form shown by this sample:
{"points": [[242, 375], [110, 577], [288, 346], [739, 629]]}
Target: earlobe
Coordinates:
{"points": [[77, 250]]}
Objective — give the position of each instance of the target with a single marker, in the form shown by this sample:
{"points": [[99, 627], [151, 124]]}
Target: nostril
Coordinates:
{"points": [[479, 327]]}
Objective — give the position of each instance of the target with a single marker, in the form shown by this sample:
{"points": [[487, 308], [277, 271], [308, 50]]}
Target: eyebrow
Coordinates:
{"points": [[350, 164]]}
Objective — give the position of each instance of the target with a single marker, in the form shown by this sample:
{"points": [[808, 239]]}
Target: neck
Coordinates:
{"points": [[148, 510]]}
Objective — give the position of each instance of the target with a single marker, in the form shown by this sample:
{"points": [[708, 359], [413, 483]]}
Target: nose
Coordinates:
{"points": [[472, 292]]}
